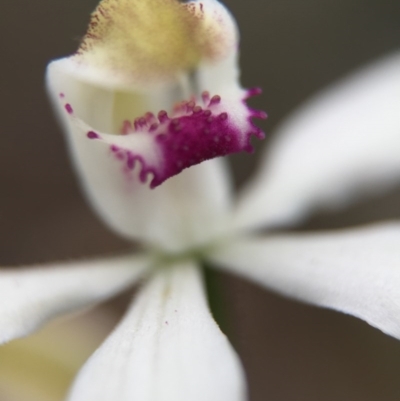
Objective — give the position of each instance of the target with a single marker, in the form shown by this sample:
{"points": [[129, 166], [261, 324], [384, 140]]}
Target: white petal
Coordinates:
{"points": [[168, 348], [355, 271], [342, 143], [29, 298]]}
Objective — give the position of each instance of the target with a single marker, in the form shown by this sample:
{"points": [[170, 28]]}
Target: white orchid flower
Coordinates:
{"points": [[137, 59]]}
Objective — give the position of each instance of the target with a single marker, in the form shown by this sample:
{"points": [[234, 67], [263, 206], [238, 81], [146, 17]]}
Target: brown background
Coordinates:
{"points": [[291, 48]]}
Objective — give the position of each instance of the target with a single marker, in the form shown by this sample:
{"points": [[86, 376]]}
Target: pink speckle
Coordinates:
{"points": [[206, 97], [69, 108], [62, 96], [153, 127], [126, 127], [120, 155], [215, 100], [162, 116], [259, 114], [253, 92], [93, 135]]}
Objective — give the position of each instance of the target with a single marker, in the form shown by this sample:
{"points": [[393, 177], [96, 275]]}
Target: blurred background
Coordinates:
{"points": [[291, 48]]}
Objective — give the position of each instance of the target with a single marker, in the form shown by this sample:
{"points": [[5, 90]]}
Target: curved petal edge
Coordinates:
{"points": [[31, 297], [342, 144], [353, 271]]}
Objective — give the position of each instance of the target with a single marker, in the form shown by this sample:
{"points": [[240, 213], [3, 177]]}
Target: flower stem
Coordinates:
{"points": [[216, 299]]}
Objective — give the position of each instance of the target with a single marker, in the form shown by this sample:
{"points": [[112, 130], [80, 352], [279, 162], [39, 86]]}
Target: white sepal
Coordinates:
{"points": [[353, 271], [31, 297], [343, 143], [167, 348]]}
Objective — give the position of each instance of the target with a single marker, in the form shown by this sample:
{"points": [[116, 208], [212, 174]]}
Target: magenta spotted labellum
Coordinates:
{"points": [[192, 134]]}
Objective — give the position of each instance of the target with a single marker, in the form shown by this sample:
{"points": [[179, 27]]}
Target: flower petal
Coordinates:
{"points": [[131, 42], [187, 210], [31, 297], [343, 142], [354, 271], [168, 348]]}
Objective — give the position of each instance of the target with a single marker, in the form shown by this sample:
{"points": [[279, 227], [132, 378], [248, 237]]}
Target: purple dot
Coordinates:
{"points": [[92, 135], [69, 108], [254, 92]]}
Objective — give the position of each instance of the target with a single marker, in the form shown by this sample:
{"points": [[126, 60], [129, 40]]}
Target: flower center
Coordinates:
{"points": [[165, 259]]}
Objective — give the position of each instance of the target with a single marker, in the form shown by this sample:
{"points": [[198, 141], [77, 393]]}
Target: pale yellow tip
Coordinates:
{"points": [[155, 39]]}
